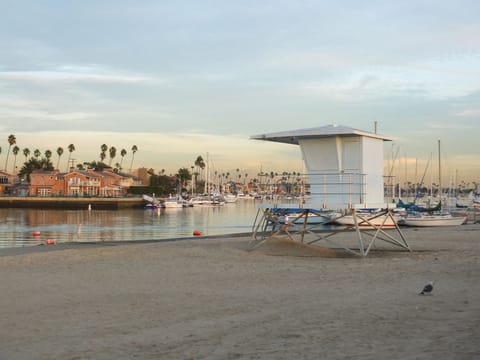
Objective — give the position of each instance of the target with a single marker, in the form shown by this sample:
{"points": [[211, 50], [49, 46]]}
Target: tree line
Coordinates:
{"points": [[39, 162]]}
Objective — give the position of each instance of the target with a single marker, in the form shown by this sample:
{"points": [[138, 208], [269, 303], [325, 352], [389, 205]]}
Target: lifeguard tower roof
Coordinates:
{"points": [[345, 165], [293, 136]]}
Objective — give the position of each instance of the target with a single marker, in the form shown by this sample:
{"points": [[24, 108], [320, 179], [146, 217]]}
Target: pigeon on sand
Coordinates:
{"points": [[427, 289]]}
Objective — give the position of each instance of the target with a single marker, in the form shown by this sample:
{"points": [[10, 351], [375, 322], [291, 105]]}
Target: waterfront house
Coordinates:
{"points": [[113, 184], [82, 183], [104, 183], [7, 181], [44, 183]]}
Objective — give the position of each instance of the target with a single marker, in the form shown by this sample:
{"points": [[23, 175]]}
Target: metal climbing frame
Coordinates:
{"points": [[270, 222]]}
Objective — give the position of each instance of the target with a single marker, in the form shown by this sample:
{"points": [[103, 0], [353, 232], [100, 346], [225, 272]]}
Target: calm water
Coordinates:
{"points": [[18, 225]]}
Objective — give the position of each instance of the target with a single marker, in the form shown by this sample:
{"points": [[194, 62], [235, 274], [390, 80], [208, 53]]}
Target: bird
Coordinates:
{"points": [[427, 289]]}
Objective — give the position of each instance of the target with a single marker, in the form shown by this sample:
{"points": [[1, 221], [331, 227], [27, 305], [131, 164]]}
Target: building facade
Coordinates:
{"points": [[88, 183]]}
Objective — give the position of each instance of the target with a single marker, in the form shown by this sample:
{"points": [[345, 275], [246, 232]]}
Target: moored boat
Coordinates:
{"points": [[369, 218], [208, 200], [299, 216], [425, 220], [230, 198], [173, 202]]}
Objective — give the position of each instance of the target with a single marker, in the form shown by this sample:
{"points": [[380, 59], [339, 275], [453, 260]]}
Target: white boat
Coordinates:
{"points": [[151, 206], [152, 202], [297, 216], [173, 202], [367, 219], [230, 198], [425, 220], [205, 200]]}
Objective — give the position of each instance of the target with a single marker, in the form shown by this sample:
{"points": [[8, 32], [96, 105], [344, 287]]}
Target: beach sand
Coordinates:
{"points": [[213, 299]]}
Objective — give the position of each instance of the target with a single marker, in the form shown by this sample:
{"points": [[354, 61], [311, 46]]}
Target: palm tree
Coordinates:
{"points": [[37, 153], [199, 163], [113, 153], [59, 153], [104, 149], [123, 152], [12, 140], [26, 152], [15, 151], [48, 154], [183, 176], [71, 148], [134, 150], [34, 164]]}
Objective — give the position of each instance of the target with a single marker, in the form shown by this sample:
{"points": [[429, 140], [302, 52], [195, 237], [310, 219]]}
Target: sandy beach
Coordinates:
{"points": [[213, 299]]}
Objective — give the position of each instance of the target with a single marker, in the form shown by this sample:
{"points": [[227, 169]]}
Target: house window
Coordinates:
{"points": [[44, 192]]}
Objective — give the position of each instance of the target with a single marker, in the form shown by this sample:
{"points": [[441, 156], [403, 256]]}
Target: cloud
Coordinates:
{"points": [[74, 73], [468, 113], [45, 115], [453, 78]]}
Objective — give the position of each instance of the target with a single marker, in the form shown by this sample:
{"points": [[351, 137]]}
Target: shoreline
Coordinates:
{"points": [[212, 299], [70, 203]]}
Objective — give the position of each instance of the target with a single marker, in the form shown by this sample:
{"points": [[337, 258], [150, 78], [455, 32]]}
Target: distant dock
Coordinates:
{"points": [[71, 203]]}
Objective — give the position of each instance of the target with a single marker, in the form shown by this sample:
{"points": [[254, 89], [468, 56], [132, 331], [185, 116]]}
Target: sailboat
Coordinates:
{"points": [[424, 220], [209, 198], [431, 218], [413, 206]]}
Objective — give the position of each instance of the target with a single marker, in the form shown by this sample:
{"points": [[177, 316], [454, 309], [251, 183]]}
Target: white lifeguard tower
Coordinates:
{"points": [[345, 171]]}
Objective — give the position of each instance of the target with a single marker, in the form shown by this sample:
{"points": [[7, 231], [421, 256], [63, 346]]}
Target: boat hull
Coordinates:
{"points": [[433, 220], [378, 221]]}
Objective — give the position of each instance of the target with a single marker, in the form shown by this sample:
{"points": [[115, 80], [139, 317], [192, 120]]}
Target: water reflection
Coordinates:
{"points": [[17, 226]]}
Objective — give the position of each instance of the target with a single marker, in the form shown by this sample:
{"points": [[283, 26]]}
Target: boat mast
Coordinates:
{"points": [[439, 173], [207, 190]]}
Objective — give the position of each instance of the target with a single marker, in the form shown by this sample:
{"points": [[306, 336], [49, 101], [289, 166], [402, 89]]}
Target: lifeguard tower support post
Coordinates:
{"points": [[344, 167]]}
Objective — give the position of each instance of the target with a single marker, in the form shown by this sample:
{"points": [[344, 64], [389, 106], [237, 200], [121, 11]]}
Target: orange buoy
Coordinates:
{"points": [[50, 242], [197, 232], [36, 233]]}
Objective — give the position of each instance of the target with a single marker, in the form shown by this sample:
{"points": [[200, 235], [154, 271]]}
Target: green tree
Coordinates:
{"points": [[34, 164], [26, 152], [103, 153], [123, 152], [199, 163], [48, 154], [59, 153], [15, 152], [37, 153], [183, 175], [12, 140], [71, 148], [96, 165], [164, 184], [113, 152], [134, 150]]}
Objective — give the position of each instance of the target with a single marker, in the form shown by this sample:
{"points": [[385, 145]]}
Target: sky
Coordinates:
{"points": [[187, 78]]}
